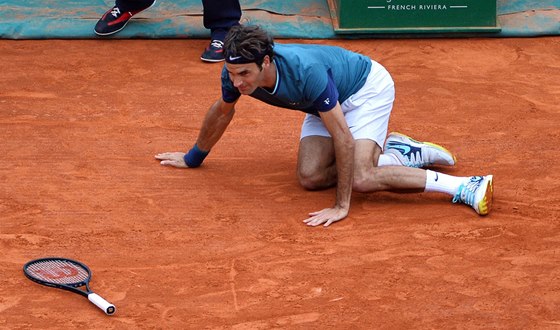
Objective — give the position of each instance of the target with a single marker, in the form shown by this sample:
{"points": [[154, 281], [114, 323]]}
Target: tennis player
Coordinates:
{"points": [[348, 99]]}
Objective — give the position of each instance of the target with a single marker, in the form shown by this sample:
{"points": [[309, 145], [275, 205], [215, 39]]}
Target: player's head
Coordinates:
{"points": [[248, 44], [248, 51]]}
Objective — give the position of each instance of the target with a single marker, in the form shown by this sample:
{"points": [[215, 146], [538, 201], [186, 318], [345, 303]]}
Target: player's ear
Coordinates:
{"points": [[266, 60]]}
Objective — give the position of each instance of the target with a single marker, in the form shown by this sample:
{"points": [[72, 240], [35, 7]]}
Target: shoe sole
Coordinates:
{"points": [[211, 60], [485, 204], [437, 146], [113, 32], [125, 24]]}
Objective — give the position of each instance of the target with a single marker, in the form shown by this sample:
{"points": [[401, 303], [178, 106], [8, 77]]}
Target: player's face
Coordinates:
{"points": [[245, 77]]}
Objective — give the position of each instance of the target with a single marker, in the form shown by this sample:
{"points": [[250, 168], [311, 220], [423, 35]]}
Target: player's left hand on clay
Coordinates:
{"points": [[172, 159], [326, 216]]}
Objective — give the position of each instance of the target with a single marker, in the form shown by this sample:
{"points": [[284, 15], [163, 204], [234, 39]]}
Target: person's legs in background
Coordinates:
{"points": [[219, 17], [116, 18]]}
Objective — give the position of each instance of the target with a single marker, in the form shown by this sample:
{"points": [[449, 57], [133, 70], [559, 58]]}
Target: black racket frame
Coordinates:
{"points": [[73, 287]]}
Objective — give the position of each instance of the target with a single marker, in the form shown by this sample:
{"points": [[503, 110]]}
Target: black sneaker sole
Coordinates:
{"points": [[113, 32]]}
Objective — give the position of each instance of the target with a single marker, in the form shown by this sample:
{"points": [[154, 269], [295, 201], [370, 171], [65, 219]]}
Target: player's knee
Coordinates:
{"points": [[310, 180], [360, 184], [364, 182]]}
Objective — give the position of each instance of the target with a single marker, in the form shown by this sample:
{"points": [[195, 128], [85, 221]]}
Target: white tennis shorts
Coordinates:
{"points": [[367, 111]]}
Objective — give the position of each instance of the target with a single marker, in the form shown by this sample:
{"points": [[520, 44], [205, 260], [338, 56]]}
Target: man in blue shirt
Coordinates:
{"points": [[348, 99]]}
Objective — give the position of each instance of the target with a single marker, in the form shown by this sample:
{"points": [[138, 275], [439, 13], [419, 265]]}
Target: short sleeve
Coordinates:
{"points": [[327, 99]]}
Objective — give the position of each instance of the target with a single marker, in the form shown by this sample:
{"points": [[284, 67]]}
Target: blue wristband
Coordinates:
{"points": [[195, 156]]}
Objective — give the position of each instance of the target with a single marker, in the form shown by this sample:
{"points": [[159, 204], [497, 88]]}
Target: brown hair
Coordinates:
{"points": [[248, 44]]}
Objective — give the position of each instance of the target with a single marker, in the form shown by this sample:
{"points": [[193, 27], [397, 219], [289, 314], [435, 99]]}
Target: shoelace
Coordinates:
{"points": [[217, 44], [415, 160], [115, 12], [467, 191]]}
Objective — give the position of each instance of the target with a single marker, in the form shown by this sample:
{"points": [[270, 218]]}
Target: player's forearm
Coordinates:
{"points": [[344, 151], [344, 154], [215, 123]]}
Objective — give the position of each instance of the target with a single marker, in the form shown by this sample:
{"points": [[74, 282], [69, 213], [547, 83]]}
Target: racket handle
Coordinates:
{"points": [[106, 306]]}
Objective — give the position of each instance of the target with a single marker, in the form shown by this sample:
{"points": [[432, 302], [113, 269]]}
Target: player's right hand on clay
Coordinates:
{"points": [[175, 159]]}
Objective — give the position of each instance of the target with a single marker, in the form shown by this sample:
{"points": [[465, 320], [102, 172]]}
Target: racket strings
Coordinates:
{"points": [[58, 272]]}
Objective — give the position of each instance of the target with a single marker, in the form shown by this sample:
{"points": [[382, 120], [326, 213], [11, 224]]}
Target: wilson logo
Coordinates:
{"points": [[57, 273]]}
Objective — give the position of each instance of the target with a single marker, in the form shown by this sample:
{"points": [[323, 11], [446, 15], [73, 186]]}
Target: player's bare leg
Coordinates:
{"points": [[317, 170], [316, 167], [476, 191], [369, 178]]}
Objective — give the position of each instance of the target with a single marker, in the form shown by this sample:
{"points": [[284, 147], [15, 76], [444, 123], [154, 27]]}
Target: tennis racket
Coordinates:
{"points": [[68, 275]]}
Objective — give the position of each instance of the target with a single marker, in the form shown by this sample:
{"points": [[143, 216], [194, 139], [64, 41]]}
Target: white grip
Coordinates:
{"points": [[107, 307]]}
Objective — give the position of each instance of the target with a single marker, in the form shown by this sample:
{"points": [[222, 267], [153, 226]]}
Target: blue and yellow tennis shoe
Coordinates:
{"points": [[418, 154], [477, 192]]}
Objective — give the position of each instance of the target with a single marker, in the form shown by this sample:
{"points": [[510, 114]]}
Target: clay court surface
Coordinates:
{"points": [[224, 246]]}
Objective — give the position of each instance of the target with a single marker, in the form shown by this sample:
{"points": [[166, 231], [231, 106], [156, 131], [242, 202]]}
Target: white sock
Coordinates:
{"points": [[439, 182], [388, 160]]}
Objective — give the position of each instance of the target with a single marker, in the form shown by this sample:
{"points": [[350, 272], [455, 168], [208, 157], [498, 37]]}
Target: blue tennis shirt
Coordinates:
{"points": [[310, 78]]}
